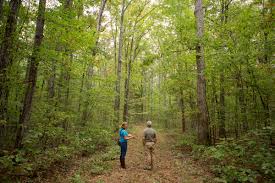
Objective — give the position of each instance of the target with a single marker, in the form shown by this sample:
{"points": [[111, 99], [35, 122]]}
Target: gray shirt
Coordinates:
{"points": [[149, 134]]}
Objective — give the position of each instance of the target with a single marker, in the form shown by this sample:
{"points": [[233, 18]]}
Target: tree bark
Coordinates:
{"points": [[51, 81], [127, 83], [133, 54], [1, 9], [32, 74], [119, 62], [203, 123], [99, 18], [182, 108], [242, 102], [5, 55], [267, 13], [222, 131]]}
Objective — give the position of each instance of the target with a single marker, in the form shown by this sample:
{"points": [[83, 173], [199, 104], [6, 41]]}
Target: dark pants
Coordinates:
{"points": [[123, 150]]}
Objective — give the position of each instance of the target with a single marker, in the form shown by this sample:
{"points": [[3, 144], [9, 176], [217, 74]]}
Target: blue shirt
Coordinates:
{"points": [[122, 134]]}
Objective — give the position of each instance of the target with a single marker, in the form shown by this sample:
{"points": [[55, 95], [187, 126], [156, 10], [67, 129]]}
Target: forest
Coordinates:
{"points": [[71, 71]]}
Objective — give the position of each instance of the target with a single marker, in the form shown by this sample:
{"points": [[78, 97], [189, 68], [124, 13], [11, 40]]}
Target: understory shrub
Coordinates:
{"points": [[53, 144], [248, 159]]}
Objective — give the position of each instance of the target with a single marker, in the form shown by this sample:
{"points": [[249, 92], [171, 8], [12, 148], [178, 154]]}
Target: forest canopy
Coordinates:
{"points": [[70, 68]]}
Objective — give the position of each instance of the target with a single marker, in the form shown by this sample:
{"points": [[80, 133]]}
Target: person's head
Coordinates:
{"points": [[124, 125], [149, 124]]}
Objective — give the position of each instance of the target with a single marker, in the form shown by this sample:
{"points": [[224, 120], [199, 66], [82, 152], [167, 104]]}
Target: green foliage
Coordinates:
{"points": [[98, 167], [36, 156], [111, 154], [73, 104], [100, 163], [94, 139], [77, 178], [248, 159]]}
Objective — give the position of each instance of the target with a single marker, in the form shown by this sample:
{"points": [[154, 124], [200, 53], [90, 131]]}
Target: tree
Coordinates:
{"points": [[119, 62], [31, 74], [203, 123], [6, 55], [90, 69]]}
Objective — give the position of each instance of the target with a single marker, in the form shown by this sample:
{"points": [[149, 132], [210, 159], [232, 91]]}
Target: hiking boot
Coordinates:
{"points": [[123, 164]]}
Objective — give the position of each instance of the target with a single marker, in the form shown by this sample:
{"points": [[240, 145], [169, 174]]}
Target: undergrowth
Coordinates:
{"points": [[44, 149], [248, 159], [96, 165]]}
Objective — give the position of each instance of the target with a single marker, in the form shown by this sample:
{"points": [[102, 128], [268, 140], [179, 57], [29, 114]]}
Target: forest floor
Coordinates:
{"points": [[169, 167]]}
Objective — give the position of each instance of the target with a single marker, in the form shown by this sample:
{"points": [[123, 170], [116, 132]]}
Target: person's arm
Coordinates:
{"points": [[143, 139], [155, 138], [128, 136]]}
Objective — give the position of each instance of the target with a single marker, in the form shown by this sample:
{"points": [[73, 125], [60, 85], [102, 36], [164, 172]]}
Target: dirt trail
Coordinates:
{"points": [[167, 168]]}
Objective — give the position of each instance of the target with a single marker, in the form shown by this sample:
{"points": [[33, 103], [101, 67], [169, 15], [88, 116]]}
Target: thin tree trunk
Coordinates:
{"points": [[236, 118], [90, 69], [203, 130], [127, 83], [242, 102], [32, 74], [182, 108], [214, 109], [142, 93], [119, 64], [51, 81], [5, 55], [267, 27], [67, 95], [222, 132], [81, 91], [99, 19], [1, 9]]}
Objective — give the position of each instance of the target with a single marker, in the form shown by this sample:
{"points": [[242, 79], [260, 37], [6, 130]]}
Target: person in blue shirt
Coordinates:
{"points": [[123, 138]]}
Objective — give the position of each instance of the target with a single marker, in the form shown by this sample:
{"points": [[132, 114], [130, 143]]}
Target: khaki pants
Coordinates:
{"points": [[149, 154]]}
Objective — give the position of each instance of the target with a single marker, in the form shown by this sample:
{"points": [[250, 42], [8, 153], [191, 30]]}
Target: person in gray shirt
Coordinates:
{"points": [[149, 141]]}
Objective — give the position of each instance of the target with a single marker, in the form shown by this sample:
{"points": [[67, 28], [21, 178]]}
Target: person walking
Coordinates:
{"points": [[123, 138], [149, 141]]}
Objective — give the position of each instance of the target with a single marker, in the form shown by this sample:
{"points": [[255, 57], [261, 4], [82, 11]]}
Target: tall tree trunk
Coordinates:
{"points": [[1, 9], [51, 81], [214, 109], [5, 55], [81, 91], [115, 49], [67, 94], [90, 69], [142, 93], [119, 63], [99, 19], [242, 102], [203, 131], [182, 108], [127, 83], [222, 132], [267, 13], [32, 74]]}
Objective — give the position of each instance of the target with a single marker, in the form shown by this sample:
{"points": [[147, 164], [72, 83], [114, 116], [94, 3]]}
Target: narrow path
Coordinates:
{"points": [[168, 169]]}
